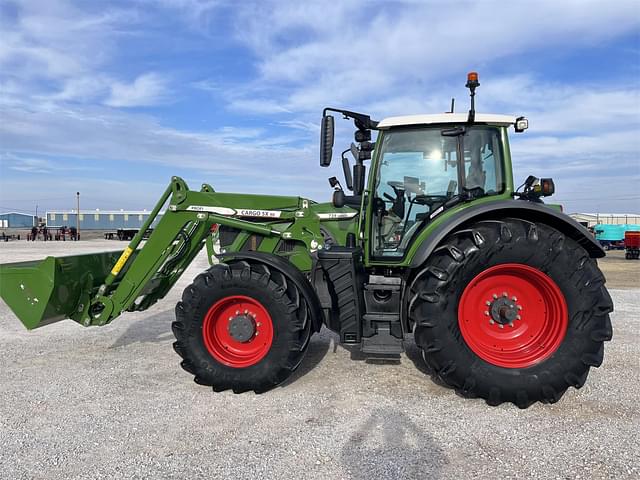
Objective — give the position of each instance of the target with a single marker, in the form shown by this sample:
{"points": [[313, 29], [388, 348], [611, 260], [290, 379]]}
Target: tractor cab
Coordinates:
{"points": [[425, 164], [421, 166]]}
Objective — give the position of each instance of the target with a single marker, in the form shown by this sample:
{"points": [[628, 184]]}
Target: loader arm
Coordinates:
{"points": [[94, 289]]}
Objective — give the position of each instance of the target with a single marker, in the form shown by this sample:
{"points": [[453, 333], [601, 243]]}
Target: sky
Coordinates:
{"points": [[113, 98]]}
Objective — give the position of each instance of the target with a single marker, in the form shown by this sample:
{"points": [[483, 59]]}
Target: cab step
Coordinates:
{"points": [[382, 343]]}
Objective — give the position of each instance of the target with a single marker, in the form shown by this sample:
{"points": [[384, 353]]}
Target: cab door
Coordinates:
{"points": [[413, 174], [419, 172]]}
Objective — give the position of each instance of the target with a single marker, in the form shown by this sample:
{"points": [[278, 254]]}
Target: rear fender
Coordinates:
{"points": [[528, 211]]}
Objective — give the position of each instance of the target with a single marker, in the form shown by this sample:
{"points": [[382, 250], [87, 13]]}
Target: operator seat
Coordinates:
{"points": [[476, 177]]}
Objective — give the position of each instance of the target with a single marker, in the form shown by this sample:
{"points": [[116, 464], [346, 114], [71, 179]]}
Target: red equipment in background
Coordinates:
{"points": [[632, 245]]}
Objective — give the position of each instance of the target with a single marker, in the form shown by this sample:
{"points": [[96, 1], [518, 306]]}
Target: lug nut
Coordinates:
{"points": [[514, 299], [511, 324], [230, 318], [237, 312], [494, 296], [519, 307], [504, 294], [500, 326], [491, 321], [258, 324], [246, 311], [487, 303], [486, 313], [518, 317]]}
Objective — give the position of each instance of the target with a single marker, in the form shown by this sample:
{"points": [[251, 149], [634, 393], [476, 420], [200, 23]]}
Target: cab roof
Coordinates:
{"points": [[440, 118]]}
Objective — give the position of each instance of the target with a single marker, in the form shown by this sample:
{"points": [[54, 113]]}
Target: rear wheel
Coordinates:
{"points": [[241, 326], [511, 311]]}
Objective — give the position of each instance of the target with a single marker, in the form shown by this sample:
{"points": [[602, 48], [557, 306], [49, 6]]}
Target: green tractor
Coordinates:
{"points": [[501, 292]]}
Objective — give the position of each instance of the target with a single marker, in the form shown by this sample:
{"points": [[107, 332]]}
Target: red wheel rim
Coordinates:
{"points": [[217, 331], [513, 315]]}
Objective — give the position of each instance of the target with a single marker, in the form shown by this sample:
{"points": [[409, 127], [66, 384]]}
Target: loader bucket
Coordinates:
{"points": [[46, 291]]}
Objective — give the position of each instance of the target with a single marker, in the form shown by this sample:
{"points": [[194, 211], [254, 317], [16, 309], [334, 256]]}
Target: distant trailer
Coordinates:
{"points": [[126, 234], [611, 236], [632, 245], [5, 238]]}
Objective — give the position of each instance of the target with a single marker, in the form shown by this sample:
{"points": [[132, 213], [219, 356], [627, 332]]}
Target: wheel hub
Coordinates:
{"points": [[512, 315], [504, 310], [238, 331], [242, 327]]}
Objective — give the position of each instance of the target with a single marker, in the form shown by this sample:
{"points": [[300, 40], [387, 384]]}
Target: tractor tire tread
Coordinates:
{"points": [[432, 308], [295, 327]]}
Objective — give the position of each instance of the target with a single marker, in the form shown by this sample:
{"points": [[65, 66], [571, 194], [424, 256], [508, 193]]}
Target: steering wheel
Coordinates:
{"points": [[397, 204], [430, 200]]}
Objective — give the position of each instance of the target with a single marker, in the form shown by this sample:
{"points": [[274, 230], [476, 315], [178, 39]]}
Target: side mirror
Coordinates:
{"points": [[326, 140], [358, 179]]}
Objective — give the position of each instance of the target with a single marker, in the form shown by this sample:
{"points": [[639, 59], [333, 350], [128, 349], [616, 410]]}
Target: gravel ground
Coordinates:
{"points": [[113, 403]]}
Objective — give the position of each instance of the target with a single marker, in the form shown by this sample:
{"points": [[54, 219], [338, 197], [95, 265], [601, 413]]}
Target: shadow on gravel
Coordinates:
{"points": [[390, 445], [318, 347], [414, 353], [152, 329], [157, 329]]}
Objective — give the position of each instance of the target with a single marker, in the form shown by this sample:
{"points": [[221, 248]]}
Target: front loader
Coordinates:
{"points": [[500, 291]]}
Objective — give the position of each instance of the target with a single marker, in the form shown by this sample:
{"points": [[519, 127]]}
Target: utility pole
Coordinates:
{"points": [[36, 220], [78, 216]]}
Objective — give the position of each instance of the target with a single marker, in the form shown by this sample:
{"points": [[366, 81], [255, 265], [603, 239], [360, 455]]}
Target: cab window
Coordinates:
{"points": [[420, 170]]}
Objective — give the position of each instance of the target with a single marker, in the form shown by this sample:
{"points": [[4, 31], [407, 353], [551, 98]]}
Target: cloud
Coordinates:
{"points": [[42, 165], [145, 90], [54, 39], [610, 192], [29, 165], [83, 88], [108, 194], [260, 106], [71, 73], [131, 147], [111, 136], [198, 13], [396, 47]]}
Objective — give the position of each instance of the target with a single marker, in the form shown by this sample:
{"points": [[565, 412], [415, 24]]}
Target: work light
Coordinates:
{"points": [[521, 124]]}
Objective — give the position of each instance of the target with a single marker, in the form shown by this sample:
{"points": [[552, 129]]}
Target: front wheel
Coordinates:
{"points": [[242, 326], [511, 311]]}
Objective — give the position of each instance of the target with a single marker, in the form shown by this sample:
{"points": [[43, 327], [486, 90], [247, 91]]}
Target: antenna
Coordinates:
{"points": [[472, 84], [453, 102]]}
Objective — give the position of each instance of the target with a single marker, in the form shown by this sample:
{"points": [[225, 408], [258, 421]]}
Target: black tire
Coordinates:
{"points": [[288, 311], [436, 290]]}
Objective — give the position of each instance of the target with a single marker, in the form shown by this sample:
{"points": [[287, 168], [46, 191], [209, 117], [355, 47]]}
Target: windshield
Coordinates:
{"points": [[420, 170]]}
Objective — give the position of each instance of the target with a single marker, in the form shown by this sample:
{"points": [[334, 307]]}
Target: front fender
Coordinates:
{"points": [[291, 272], [525, 210]]}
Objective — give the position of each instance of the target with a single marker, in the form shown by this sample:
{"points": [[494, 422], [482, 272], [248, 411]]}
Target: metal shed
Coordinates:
{"points": [[97, 219], [17, 220]]}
